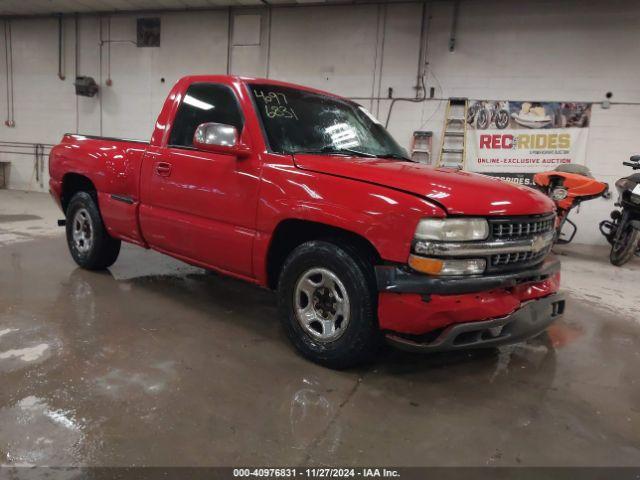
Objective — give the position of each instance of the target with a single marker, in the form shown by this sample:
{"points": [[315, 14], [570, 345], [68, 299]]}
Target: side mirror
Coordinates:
{"points": [[221, 138], [635, 158]]}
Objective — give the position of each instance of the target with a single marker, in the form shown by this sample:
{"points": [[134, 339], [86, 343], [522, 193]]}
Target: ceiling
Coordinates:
{"points": [[52, 7]]}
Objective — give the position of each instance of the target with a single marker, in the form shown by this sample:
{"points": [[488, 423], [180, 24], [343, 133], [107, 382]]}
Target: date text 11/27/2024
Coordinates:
{"points": [[315, 473]]}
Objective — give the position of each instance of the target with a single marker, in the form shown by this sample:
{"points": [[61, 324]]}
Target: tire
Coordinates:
{"points": [[324, 281], [90, 245], [502, 119], [471, 115], [482, 119], [627, 249]]}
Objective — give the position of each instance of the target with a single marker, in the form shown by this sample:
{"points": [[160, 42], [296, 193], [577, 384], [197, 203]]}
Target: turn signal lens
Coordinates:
{"points": [[434, 266]]}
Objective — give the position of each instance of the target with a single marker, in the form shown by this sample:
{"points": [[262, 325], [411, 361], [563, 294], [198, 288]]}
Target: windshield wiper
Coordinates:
{"points": [[395, 156], [338, 151], [348, 151]]}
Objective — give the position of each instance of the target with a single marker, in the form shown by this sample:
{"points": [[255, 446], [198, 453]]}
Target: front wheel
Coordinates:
{"points": [[484, 118], [624, 249], [328, 300], [89, 243], [502, 119]]}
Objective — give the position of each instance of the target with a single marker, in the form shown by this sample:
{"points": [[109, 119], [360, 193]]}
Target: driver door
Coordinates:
{"points": [[197, 205]]}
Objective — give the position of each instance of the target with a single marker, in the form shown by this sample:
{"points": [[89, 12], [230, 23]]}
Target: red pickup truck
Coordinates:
{"points": [[305, 192]]}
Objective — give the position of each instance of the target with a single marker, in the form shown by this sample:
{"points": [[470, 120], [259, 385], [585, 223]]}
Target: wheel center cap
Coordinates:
{"points": [[324, 302]]}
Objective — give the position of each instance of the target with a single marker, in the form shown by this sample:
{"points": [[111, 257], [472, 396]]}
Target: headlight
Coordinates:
{"points": [[436, 266], [452, 229], [559, 193]]}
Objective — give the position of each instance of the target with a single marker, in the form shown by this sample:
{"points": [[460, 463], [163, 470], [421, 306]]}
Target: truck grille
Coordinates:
{"points": [[514, 244], [517, 259], [521, 227]]}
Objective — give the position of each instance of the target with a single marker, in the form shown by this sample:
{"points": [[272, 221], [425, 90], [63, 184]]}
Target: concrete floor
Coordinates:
{"points": [[159, 363]]}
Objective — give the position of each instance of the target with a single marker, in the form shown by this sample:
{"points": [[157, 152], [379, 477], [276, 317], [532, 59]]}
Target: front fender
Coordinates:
{"points": [[387, 218]]}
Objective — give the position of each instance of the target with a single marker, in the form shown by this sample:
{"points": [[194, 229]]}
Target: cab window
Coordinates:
{"points": [[202, 103]]}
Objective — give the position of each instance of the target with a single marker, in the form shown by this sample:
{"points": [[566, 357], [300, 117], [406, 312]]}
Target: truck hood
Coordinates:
{"points": [[460, 193]]}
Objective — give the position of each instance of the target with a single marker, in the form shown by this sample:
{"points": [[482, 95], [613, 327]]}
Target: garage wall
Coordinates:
{"points": [[533, 49], [47, 107], [547, 50]]}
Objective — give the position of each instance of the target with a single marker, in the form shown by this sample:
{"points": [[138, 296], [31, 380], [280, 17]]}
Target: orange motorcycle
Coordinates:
{"points": [[568, 186]]}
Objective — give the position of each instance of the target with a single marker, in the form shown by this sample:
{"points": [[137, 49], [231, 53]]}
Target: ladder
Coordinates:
{"points": [[421, 146], [454, 134]]}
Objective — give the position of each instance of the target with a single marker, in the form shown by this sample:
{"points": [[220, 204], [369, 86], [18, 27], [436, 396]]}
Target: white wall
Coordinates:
{"points": [[549, 50], [532, 49]]}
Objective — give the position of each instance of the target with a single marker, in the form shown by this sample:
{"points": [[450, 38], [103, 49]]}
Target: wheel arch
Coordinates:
{"points": [[73, 183], [291, 233]]}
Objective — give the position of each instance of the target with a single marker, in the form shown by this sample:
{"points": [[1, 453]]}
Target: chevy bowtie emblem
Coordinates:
{"points": [[538, 243]]}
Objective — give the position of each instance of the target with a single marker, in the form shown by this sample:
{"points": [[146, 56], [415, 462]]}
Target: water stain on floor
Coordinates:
{"points": [[156, 363], [18, 218]]}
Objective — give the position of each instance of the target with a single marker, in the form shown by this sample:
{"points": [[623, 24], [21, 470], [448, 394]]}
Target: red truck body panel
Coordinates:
{"points": [[220, 212], [453, 189]]}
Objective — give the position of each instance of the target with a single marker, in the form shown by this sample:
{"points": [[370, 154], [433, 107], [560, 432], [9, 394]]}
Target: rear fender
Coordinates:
{"points": [[112, 166]]}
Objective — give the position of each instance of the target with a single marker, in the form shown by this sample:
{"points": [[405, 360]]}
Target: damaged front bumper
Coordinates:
{"points": [[531, 319], [395, 279]]}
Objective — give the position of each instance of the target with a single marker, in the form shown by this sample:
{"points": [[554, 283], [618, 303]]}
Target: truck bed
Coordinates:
{"points": [[108, 139], [113, 166]]}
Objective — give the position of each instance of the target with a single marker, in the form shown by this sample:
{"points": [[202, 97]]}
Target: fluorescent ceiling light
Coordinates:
{"points": [[194, 102]]}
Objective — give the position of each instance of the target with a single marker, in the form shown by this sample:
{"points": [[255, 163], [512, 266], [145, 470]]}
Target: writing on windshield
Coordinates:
{"points": [[297, 121]]}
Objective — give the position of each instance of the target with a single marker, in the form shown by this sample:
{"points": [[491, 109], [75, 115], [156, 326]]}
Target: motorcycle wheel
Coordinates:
{"points": [[471, 115], [623, 250], [483, 119], [607, 229], [502, 120]]}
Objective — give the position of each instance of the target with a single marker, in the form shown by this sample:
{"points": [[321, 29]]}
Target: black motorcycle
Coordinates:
{"points": [[486, 113], [623, 230]]}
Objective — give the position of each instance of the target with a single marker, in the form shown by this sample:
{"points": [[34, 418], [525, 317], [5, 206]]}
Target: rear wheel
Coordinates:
{"points": [[328, 300], [483, 119], [502, 119], [623, 250], [89, 243]]}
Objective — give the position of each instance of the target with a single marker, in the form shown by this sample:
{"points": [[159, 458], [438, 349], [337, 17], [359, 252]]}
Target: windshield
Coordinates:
{"points": [[299, 121]]}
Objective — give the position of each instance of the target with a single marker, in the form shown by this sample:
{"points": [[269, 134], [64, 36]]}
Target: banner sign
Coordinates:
{"points": [[515, 140]]}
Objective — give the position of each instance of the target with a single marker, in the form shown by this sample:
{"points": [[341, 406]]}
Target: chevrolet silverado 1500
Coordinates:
{"points": [[306, 193]]}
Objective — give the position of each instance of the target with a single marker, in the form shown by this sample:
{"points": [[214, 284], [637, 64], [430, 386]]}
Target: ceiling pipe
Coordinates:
{"points": [[454, 26], [149, 11], [61, 65], [109, 81], [229, 37], [76, 63], [420, 86], [76, 67], [8, 52]]}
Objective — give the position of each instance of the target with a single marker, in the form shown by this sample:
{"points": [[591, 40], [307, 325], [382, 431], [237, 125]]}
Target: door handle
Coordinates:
{"points": [[163, 169]]}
